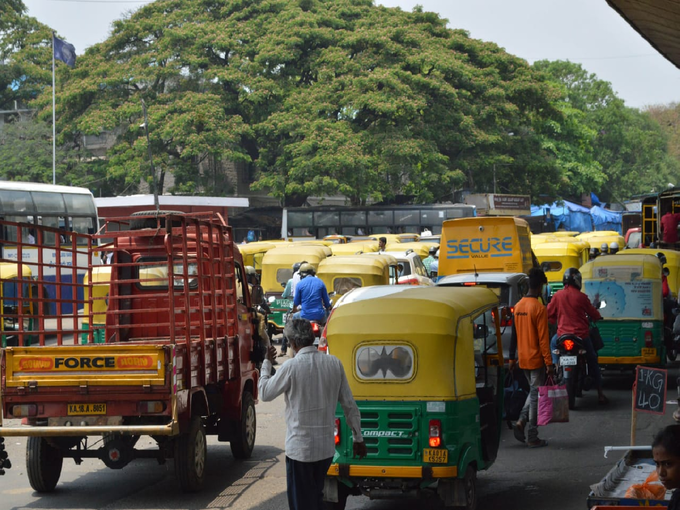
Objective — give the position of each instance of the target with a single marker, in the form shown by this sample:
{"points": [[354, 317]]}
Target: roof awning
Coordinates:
{"points": [[658, 21]]}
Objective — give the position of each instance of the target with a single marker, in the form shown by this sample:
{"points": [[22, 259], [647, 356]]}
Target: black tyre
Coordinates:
{"points": [[43, 464], [190, 456], [243, 437], [571, 391], [470, 482]]}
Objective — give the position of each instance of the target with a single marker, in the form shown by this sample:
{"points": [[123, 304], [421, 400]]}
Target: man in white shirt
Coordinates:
{"points": [[312, 383]]}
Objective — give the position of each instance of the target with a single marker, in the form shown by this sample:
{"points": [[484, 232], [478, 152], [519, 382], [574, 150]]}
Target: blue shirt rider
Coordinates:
{"points": [[312, 295]]}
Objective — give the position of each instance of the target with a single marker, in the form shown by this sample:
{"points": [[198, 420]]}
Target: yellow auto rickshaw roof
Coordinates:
{"points": [[422, 249], [651, 265], [252, 248], [559, 249], [284, 256], [419, 313], [11, 270], [558, 233], [540, 240], [672, 256], [303, 247], [353, 264], [395, 238], [354, 248]]}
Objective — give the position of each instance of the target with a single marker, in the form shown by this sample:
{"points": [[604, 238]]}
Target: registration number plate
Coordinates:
{"points": [[568, 361], [86, 409], [435, 455], [648, 351]]}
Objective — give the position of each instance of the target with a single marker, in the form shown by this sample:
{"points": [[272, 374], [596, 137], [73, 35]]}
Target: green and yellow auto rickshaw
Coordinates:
{"points": [[12, 297], [425, 366], [627, 288], [277, 269], [343, 273], [557, 256], [96, 321]]}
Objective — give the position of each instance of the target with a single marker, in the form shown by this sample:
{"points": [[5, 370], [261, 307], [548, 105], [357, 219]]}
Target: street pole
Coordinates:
{"points": [[494, 178], [54, 123], [153, 170]]}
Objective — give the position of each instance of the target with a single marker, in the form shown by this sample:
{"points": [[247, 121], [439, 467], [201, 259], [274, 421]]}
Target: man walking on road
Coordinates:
{"points": [[312, 383], [531, 340]]}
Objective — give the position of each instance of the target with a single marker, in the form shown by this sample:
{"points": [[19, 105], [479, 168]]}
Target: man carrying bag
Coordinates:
{"points": [[531, 341]]}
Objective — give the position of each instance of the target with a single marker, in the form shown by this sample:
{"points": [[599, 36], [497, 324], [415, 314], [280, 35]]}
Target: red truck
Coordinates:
{"points": [[177, 363]]}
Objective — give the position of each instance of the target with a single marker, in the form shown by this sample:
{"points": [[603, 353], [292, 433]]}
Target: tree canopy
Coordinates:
{"points": [[322, 97]]}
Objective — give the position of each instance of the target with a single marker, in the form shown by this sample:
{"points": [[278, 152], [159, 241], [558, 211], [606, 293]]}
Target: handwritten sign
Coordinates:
{"points": [[650, 390]]}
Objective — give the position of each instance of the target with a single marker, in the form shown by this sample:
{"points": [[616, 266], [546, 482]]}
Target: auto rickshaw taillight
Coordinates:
{"points": [[568, 344], [649, 339], [435, 433], [315, 329], [336, 432]]}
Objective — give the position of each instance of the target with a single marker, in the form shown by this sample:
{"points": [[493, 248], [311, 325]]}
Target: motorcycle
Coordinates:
{"points": [[572, 366]]}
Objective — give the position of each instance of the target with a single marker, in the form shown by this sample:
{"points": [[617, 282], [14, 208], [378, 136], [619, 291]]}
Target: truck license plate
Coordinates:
{"points": [[648, 351], [86, 409], [436, 455], [568, 361]]}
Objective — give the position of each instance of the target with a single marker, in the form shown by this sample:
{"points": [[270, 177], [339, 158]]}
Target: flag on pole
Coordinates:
{"points": [[64, 51]]}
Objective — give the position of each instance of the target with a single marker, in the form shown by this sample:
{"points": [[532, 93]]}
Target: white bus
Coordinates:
{"points": [[62, 208]]}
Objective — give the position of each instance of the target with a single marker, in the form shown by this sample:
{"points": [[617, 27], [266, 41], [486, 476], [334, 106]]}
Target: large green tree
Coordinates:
{"points": [[629, 145], [322, 97]]}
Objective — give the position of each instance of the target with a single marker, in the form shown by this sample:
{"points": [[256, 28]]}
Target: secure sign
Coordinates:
{"points": [[479, 248]]}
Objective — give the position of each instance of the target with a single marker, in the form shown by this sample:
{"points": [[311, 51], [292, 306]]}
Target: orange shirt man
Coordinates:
{"points": [[531, 340]]}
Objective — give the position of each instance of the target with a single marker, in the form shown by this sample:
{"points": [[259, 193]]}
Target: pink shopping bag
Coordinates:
{"points": [[553, 403]]}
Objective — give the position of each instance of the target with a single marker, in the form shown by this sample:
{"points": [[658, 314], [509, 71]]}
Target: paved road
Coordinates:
{"points": [[556, 477]]}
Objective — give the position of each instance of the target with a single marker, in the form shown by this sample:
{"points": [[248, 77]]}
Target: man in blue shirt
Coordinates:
{"points": [[312, 295]]}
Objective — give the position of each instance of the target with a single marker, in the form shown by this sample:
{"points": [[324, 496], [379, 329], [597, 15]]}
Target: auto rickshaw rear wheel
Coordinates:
{"points": [[470, 484], [43, 464]]}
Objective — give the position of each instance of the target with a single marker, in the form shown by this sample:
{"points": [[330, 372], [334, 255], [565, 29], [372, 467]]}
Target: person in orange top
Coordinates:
{"points": [[531, 340]]}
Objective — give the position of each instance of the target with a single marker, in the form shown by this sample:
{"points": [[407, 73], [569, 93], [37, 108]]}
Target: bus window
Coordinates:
{"points": [[49, 203], [80, 205], [15, 202], [82, 225], [49, 221]]}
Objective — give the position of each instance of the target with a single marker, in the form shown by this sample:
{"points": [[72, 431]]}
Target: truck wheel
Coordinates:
{"points": [[43, 464], [190, 456], [470, 483], [243, 439]]}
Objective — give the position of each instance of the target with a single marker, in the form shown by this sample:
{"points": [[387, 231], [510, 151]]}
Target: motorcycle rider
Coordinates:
{"points": [[668, 304], [572, 311], [311, 295], [288, 291], [604, 249], [613, 248], [260, 306], [593, 253], [430, 258]]}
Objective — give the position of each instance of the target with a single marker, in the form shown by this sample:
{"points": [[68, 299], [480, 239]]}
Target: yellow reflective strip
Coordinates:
{"points": [[394, 471], [627, 360]]}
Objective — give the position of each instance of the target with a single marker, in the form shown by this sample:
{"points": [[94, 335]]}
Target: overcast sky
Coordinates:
{"points": [[585, 31]]}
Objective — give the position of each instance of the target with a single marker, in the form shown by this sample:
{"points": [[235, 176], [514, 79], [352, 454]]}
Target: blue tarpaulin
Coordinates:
{"points": [[566, 215], [605, 220]]}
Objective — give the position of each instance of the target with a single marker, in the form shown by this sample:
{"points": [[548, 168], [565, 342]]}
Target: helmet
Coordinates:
{"points": [[604, 248], [296, 267], [433, 250], [614, 247], [250, 271], [662, 258], [306, 269], [572, 276]]}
